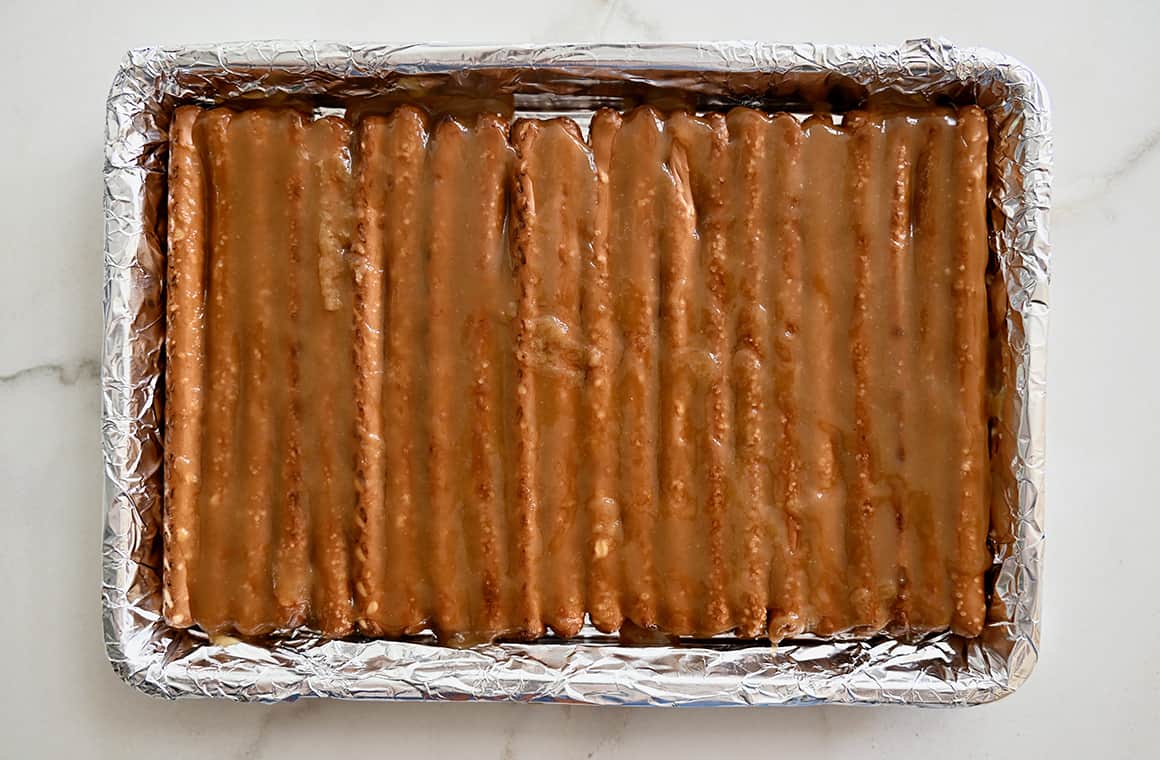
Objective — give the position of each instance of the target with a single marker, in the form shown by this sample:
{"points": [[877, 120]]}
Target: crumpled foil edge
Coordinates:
{"points": [[939, 670]]}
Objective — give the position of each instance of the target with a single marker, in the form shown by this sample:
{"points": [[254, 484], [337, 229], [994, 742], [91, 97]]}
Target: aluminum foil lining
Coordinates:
{"points": [[938, 670]]}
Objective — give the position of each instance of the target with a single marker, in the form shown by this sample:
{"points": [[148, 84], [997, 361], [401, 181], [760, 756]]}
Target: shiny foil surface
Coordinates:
{"points": [[571, 80]]}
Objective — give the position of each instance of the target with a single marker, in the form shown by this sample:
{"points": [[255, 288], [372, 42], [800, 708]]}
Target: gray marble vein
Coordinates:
{"points": [[266, 726], [1134, 161], [66, 373], [630, 17], [610, 738]]}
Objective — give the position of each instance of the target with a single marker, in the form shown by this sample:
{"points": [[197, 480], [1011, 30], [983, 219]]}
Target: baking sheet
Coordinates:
{"points": [[548, 80]]}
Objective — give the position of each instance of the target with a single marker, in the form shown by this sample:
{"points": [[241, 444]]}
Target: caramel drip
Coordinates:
{"points": [[486, 289], [329, 367], [899, 442], [265, 135], [637, 155], [291, 505], [698, 150], [933, 493], [768, 587], [450, 188], [369, 316], [526, 548], [786, 180], [554, 166], [601, 407], [717, 436], [185, 346], [871, 536], [970, 336], [825, 420], [677, 441], [215, 581], [400, 595]]}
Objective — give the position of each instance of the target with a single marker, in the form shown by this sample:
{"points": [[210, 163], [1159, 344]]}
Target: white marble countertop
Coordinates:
{"points": [[1097, 688]]}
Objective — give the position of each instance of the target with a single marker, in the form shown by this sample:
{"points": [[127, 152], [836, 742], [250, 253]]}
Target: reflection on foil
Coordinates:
{"points": [[571, 80]]}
